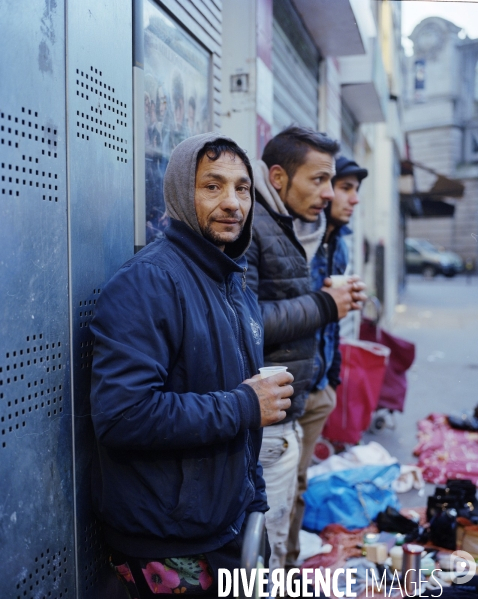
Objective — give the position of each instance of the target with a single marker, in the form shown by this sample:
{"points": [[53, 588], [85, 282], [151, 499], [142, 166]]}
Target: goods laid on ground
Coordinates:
{"points": [[350, 497], [445, 452], [383, 559]]}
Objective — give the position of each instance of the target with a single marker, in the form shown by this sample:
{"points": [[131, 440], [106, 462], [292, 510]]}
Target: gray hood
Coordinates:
{"points": [[265, 188], [179, 189], [310, 235]]}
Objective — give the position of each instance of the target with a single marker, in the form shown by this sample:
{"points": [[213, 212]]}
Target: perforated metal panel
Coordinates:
{"points": [[99, 50], [36, 485]]}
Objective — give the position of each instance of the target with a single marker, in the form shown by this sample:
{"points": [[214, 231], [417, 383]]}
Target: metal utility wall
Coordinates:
{"points": [[66, 205]]}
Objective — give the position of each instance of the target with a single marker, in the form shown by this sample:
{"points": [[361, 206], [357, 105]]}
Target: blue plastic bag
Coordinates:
{"points": [[352, 498]]}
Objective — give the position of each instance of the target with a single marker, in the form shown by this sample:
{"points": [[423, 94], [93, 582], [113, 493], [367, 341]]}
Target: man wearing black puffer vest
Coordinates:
{"points": [[293, 186]]}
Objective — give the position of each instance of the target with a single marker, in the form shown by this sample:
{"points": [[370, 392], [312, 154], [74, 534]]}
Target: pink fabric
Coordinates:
{"points": [[161, 580], [444, 452], [205, 578]]}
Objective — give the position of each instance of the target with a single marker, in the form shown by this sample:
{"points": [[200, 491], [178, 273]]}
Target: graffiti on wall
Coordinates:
{"points": [[176, 102]]}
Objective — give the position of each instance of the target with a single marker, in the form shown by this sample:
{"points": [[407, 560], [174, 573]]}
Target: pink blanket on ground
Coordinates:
{"points": [[444, 452]]}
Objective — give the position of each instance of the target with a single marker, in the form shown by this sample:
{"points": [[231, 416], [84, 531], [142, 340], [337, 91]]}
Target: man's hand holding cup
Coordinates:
{"points": [[273, 389]]}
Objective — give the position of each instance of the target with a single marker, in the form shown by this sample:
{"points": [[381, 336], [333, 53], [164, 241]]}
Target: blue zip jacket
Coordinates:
{"points": [[176, 332], [330, 259]]}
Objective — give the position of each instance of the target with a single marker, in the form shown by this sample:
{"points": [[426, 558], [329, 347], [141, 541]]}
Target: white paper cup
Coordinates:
{"points": [[339, 280], [267, 371]]}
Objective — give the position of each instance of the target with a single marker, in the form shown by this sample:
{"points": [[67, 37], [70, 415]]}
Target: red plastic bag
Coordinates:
{"points": [[402, 354], [362, 372]]}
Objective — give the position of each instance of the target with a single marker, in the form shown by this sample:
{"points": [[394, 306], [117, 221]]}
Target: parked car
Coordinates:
{"points": [[424, 257]]}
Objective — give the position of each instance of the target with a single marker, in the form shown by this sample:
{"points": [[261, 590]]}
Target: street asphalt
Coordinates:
{"points": [[440, 316]]}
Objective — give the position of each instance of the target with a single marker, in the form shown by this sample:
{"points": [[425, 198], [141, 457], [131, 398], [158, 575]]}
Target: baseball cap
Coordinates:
{"points": [[344, 166]]}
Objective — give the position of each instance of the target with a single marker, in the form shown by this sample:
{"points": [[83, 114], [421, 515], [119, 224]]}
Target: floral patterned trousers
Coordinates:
{"points": [[144, 578]]}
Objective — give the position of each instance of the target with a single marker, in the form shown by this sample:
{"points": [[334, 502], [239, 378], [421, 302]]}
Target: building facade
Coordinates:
{"points": [[95, 96], [441, 122], [336, 67]]}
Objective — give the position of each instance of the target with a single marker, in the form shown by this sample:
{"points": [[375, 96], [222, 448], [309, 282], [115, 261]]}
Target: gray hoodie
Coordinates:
{"points": [[310, 235], [180, 183]]}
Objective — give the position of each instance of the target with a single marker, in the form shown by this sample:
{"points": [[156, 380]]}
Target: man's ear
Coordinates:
{"points": [[278, 178]]}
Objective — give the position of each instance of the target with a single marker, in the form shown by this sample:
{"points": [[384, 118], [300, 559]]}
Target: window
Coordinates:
{"points": [[419, 80], [475, 94], [176, 102]]}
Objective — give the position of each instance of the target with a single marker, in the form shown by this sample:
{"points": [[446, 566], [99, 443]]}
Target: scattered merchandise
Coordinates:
{"points": [[364, 568], [453, 515], [359, 455], [351, 498], [396, 555], [345, 491], [345, 544], [410, 478], [444, 452], [454, 591], [457, 494], [467, 537], [466, 420], [427, 564], [443, 528], [376, 552], [412, 555], [391, 520], [384, 538], [445, 561], [371, 453], [311, 544]]}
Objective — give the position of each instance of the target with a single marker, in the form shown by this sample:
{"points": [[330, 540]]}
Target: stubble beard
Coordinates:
{"points": [[216, 238], [304, 218]]}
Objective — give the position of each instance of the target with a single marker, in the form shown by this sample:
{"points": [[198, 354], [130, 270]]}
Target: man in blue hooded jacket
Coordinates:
{"points": [[177, 406]]}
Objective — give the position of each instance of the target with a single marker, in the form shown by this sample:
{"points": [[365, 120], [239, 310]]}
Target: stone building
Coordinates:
{"points": [[441, 122]]}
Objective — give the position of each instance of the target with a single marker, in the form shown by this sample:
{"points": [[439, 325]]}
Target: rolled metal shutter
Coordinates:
{"points": [[295, 62]]}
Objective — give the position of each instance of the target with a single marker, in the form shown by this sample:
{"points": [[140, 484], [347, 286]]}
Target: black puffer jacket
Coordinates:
{"points": [[279, 276]]}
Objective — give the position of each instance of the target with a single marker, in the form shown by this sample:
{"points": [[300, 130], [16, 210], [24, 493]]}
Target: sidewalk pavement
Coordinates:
{"points": [[440, 316]]}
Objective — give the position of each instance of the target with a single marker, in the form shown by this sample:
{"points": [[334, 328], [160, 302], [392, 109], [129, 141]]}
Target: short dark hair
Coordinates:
{"points": [[214, 149], [289, 148]]}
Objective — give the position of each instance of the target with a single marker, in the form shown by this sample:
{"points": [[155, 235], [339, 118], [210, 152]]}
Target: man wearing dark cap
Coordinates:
{"points": [[330, 259], [176, 403]]}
